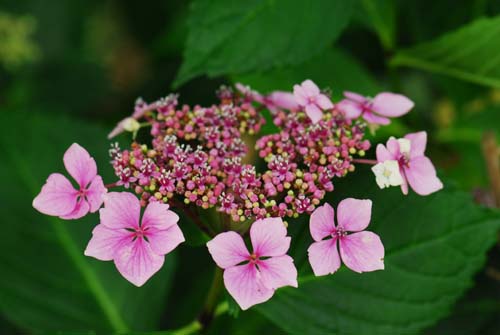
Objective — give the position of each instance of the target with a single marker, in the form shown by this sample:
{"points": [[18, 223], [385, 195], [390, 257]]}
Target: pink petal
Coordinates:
{"points": [[310, 88], [159, 216], [121, 210], [278, 271], [383, 154], [314, 113], [283, 100], [421, 176], [300, 95], [80, 165], [324, 102], [228, 249], [245, 285], [391, 104], [269, 237], [355, 97], [351, 110], [404, 185], [164, 241], [418, 142], [57, 197], [95, 194], [375, 119], [354, 214], [246, 90], [324, 257], [81, 209], [136, 262], [105, 242], [393, 147], [117, 130], [362, 252], [322, 222]]}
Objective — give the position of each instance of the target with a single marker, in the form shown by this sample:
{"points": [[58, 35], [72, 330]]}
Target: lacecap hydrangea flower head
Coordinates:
{"points": [[196, 160]]}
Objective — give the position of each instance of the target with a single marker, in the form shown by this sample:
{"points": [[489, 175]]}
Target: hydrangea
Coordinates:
{"points": [[196, 159]]}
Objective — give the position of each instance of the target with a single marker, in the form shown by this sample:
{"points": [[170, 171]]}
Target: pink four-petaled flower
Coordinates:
{"points": [[376, 110], [137, 248], [361, 251], [314, 102], [415, 168], [252, 278], [59, 198]]}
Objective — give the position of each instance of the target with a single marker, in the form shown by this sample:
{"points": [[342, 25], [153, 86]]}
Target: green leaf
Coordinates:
{"points": [[47, 283], [333, 68], [380, 15], [469, 53], [434, 245], [240, 36]]}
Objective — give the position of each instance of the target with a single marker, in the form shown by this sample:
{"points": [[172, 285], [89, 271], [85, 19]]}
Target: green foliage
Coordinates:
{"points": [[334, 68], [434, 245], [47, 283], [469, 53], [240, 36]]}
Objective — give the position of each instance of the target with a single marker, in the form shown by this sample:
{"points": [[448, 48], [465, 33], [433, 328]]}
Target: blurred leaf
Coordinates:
{"points": [[47, 283], [433, 244], [240, 36], [381, 16], [469, 53], [333, 68]]}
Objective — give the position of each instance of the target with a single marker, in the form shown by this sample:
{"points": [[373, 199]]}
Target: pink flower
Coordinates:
{"points": [[274, 101], [130, 123], [415, 168], [59, 198], [137, 248], [361, 252], [309, 96], [281, 100], [376, 110], [252, 278]]}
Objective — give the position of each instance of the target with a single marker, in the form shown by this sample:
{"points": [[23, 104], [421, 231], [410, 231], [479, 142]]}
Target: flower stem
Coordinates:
{"points": [[365, 161], [108, 186], [209, 309]]}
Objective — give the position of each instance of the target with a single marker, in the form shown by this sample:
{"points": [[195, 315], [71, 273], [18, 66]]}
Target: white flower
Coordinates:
{"points": [[387, 173], [131, 125]]}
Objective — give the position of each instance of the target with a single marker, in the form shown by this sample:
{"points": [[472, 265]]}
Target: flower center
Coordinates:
{"points": [[254, 259], [138, 233], [339, 232]]}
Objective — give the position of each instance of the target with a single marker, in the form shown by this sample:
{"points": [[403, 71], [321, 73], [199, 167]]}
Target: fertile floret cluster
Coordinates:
{"points": [[197, 156]]}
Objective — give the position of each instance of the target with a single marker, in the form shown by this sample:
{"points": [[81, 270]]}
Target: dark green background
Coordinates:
{"points": [[70, 69]]}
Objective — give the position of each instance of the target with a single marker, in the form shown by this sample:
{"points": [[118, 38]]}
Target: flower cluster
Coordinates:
{"points": [[198, 157], [197, 153]]}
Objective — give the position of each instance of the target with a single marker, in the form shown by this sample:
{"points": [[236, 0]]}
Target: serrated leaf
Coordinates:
{"points": [[333, 68], [434, 245], [229, 37], [469, 53], [47, 283]]}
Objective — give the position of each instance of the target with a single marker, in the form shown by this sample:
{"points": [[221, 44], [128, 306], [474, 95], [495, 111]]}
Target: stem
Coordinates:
{"points": [[365, 161], [108, 186], [490, 154], [194, 217], [208, 312]]}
